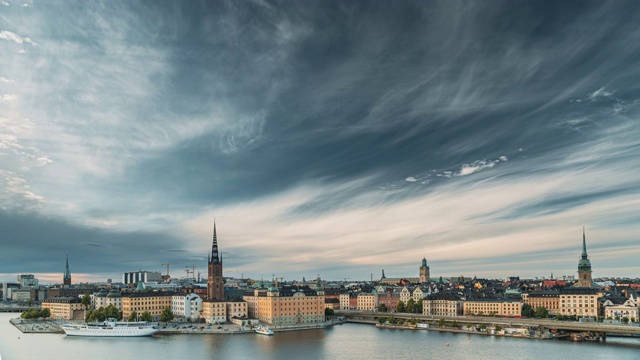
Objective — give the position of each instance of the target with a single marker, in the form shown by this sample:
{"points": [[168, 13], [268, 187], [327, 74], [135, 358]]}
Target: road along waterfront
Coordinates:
{"points": [[348, 341]]}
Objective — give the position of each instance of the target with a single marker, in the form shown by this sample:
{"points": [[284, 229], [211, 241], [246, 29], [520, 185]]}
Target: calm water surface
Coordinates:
{"points": [[348, 341]]}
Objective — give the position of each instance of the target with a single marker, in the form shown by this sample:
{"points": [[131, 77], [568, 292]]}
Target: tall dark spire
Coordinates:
{"points": [[215, 257], [66, 278]]}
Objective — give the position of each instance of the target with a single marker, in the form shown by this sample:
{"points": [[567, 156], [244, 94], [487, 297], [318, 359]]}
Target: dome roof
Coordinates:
{"points": [[101, 293], [114, 294], [584, 265]]}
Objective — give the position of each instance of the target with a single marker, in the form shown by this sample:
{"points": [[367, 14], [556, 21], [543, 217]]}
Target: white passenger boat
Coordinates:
{"points": [[263, 330], [111, 327]]}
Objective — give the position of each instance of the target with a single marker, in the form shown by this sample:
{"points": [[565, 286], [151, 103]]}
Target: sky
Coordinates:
{"points": [[331, 138]]}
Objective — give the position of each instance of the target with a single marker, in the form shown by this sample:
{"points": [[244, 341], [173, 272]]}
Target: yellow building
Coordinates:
{"points": [[441, 305], [367, 301], [214, 311], [498, 307], [154, 303], [579, 301], [237, 309], [68, 308], [286, 305], [547, 299]]}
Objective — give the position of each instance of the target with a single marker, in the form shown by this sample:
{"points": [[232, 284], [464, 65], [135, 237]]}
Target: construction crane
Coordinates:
{"points": [[167, 264], [199, 273], [192, 271], [187, 271]]}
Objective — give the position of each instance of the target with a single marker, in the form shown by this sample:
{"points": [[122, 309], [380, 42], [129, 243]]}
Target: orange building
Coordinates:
{"points": [[154, 303], [286, 305]]}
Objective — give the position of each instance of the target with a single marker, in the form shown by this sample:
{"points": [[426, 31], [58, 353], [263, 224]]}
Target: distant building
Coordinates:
{"points": [[7, 290], [67, 308], [103, 299], [154, 303], [135, 277], [549, 299], [287, 305], [579, 301], [442, 305], [27, 280], [488, 306], [187, 306]]}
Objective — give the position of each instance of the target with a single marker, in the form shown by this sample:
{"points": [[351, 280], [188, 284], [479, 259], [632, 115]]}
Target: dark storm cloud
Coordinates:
{"points": [[305, 123]]}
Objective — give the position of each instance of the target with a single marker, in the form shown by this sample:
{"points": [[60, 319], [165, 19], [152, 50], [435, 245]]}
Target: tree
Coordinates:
{"points": [[111, 312], [527, 311], [418, 308], [133, 316], [86, 301], [382, 319], [411, 305], [625, 319], [45, 313], [441, 322], [468, 326], [400, 307], [89, 317], [167, 314], [542, 312], [145, 316], [382, 308], [498, 328]]}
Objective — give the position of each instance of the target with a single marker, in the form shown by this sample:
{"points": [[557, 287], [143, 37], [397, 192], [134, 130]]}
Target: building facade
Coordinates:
{"points": [[214, 311], [441, 305], [67, 308], [135, 277], [286, 305], [547, 299], [367, 301], [188, 306], [154, 303], [579, 302], [487, 306]]}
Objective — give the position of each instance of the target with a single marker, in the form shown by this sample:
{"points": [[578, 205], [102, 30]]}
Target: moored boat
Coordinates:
{"points": [[111, 327], [263, 330]]}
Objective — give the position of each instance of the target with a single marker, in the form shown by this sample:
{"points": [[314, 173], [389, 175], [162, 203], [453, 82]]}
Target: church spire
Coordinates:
{"points": [[66, 279], [215, 258]]}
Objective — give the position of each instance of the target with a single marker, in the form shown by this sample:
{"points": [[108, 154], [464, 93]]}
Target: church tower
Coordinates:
{"points": [[215, 283], [584, 266], [66, 278], [424, 271]]}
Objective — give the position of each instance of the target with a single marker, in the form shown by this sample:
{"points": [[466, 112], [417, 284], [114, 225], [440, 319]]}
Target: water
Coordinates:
{"points": [[348, 341]]}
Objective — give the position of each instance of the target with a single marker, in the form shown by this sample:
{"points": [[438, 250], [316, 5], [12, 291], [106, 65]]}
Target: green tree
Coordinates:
{"points": [[167, 314], [133, 316], [542, 312], [468, 326], [86, 301], [441, 322], [418, 308], [382, 319], [483, 326], [45, 313], [527, 311], [89, 316], [111, 312], [100, 314], [625, 319], [455, 324], [411, 305], [401, 307], [498, 328], [382, 308], [145, 316]]}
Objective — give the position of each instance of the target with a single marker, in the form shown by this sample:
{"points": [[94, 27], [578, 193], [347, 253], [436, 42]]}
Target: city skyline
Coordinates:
{"points": [[325, 138]]}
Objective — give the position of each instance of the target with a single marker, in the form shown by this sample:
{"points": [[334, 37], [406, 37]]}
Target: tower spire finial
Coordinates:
{"points": [[215, 258]]}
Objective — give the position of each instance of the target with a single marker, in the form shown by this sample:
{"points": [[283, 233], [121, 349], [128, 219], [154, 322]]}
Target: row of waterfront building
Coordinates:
{"points": [[305, 302]]}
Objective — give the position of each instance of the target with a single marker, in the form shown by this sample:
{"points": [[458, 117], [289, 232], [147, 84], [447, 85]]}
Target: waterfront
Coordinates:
{"points": [[348, 341]]}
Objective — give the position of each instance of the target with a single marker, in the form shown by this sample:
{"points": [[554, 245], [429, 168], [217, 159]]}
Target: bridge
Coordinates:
{"points": [[598, 329], [17, 308]]}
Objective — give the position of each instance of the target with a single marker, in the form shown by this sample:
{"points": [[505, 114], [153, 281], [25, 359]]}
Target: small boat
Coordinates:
{"points": [[111, 327], [263, 330], [576, 337]]}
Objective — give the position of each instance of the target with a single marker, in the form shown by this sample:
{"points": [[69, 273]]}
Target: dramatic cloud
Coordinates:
{"points": [[325, 138]]}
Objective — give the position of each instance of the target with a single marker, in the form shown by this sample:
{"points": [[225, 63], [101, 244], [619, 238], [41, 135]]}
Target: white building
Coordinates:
{"points": [[27, 280], [104, 299], [188, 306], [628, 309]]}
